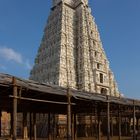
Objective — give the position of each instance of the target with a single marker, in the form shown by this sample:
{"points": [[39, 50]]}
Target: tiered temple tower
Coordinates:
{"points": [[71, 52]]}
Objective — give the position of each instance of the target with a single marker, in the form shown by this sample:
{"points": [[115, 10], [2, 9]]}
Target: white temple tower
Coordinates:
{"points": [[71, 52]]}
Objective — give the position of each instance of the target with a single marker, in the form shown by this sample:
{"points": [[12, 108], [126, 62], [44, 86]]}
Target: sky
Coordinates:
{"points": [[21, 28]]}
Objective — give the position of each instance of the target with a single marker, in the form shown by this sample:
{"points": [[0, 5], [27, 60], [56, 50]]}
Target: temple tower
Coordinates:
{"points": [[71, 52]]}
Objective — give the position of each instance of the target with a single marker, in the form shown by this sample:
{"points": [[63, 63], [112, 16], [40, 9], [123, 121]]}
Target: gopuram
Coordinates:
{"points": [[71, 53], [71, 93]]}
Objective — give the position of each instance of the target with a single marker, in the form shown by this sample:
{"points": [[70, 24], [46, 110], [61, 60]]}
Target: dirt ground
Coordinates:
{"points": [[89, 138]]}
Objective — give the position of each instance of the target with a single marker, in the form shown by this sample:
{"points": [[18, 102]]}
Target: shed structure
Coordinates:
{"points": [[38, 105]]}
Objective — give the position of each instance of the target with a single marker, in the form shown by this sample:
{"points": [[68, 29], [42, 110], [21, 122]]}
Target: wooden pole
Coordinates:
{"points": [[14, 110], [75, 127], [129, 125], [11, 124], [134, 118], [99, 124], [108, 119], [69, 132], [53, 126], [119, 118], [0, 121], [137, 124], [96, 124], [99, 128], [112, 125], [30, 126], [49, 126], [25, 130], [91, 124], [126, 126], [34, 125]]}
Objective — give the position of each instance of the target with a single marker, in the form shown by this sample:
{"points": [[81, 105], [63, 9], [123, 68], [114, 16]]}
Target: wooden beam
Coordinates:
{"points": [[38, 100], [14, 132]]}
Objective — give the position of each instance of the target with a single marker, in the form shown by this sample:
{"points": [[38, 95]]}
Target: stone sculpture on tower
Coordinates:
{"points": [[71, 53]]}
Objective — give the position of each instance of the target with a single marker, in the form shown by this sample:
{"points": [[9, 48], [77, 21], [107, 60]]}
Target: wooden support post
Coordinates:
{"points": [[99, 128], [49, 126], [75, 127], [14, 132], [72, 126], [91, 125], [69, 132], [111, 125], [96, 124], [108, 119], [129, 119], [54, 126], [34, 125], [119, 122], [137, 124], [126, 127], [99, 124], [11, 124], [30, 126], [25, 129], [134, 118], [0, 121]]}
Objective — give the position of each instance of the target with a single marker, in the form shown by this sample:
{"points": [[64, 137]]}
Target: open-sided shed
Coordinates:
{"points": [[20, 95]]}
